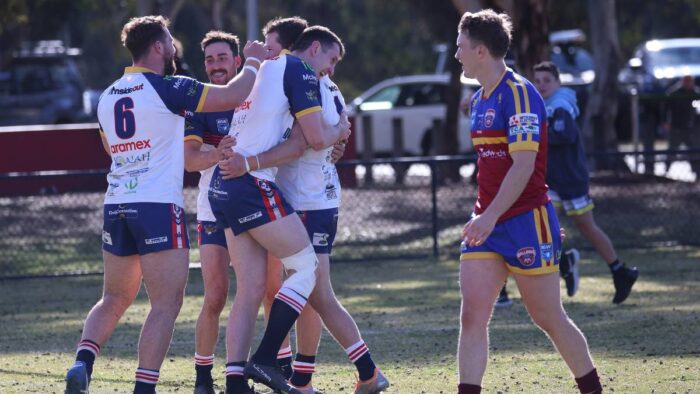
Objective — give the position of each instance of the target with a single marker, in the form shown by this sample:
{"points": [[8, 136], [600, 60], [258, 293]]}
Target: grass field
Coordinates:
{"points": [[408, 313]]}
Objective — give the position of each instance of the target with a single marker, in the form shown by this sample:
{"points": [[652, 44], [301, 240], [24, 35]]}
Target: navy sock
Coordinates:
{"points": [[304, 367], [234, 377], [146, 380], [359, 355], [282, 318], [88, 358], [203, 375], [589, 383], [614, 266], [465, 388]]}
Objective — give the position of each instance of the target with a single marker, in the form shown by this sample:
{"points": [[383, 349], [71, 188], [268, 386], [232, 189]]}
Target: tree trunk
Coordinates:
{"points": [[599, 121], [531, 35]]}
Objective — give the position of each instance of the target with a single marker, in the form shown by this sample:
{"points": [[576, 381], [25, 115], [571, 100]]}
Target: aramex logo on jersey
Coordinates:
{"points": [[127, 146]]}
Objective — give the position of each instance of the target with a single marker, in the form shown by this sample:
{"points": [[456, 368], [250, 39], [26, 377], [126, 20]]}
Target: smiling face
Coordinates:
{"points": [[324, 61], [546, 83], [220, 63]]}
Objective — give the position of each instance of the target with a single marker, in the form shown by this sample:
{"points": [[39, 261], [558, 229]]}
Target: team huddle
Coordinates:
{"points": [[265, 140]]}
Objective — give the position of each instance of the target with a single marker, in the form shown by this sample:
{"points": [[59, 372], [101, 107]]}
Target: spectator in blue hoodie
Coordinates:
{"points": [[567, 178]]}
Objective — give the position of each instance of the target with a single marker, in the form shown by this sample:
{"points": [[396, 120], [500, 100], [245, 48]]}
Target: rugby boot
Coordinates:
{"points": [[376, 384], [624, 279], [77, 381], [269, 375]]}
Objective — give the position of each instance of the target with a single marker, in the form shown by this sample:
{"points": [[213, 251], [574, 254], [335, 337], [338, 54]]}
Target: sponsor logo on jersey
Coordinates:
{"points": [[489, 117], [320, 239], [222, 125], [120, 161], [131, 185], [178, 216], [287, 133], [245, 105], [106, 237], [309, 77], [156, 240], [492, 154], [193, 89], [524, 123], [332, 88], [178, 83], [547, 251], [250, 217], [331, 193], [128, 146], [128, 90], [526, 256], [209, 228]]}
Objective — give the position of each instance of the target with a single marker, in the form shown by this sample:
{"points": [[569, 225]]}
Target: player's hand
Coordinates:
{"points": [[477, 230], [222, 150], [232, 167], [338, 151], [344, 126], [255, 49]]}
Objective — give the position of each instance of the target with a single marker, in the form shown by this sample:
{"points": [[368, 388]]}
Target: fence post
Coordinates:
{"points": [[433, 192], [400, 169], [368, 148]]}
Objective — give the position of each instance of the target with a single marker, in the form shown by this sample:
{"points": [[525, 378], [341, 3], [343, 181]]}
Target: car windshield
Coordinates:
{"points": [[571, 59], [674, 56], [34, 77]]}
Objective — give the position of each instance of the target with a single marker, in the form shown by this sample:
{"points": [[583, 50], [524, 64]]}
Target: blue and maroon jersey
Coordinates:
{"points": [[509, 118]]}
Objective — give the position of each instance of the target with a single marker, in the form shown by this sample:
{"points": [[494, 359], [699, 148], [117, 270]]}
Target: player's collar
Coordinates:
{"points": [[486, 94], [285, 52], [134, 69]]}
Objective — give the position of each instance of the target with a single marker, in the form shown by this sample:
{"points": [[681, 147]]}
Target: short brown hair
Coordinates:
{"points": [[490, 29], [221, 36], [321, 34], [548, 67], [287, 29], [140, 33]]}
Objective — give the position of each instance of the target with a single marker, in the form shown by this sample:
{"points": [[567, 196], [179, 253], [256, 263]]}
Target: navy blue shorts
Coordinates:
{"points": [[321, 224], [142, 228], [529, 243], [208, 233], [245, 202]]}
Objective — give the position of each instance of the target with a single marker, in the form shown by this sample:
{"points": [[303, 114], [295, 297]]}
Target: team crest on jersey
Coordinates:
{"points": [[177, 214], [526, 256], [331, 193], [524, 123], [320, 239], [489, 117], [547, 251], [222, 125], [311, 95]]}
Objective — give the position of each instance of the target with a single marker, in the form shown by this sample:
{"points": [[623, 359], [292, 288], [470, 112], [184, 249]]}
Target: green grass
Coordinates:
{"points": [[408, 313]]}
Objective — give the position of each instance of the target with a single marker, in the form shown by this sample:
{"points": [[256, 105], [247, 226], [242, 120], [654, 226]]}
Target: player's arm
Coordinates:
{"points": [[230, 96], [105, 144], [291, 149], [198, 160], [320, 135]]}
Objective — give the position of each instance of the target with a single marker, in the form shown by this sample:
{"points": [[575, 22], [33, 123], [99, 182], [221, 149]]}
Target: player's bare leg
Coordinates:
{"points": [[215, 261], [480, 282], [165, 276]]}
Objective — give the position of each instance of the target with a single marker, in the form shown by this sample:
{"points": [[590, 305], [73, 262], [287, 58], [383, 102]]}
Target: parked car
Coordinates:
{"points": [[42, 85], [417, 100]]}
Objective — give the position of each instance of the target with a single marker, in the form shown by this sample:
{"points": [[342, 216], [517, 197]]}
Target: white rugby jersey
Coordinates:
{"points": [[142, 118], [285, 88], [209, 128], [311, 182]]}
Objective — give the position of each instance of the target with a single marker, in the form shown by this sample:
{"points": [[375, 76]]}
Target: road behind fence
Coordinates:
{"points": [[422, 217]]}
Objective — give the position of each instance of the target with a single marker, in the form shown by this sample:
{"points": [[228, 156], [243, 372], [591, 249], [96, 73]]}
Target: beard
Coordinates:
{"points": [[169, 68]]}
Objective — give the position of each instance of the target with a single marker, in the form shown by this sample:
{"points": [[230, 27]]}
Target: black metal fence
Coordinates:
{"points": [[416, 216]]}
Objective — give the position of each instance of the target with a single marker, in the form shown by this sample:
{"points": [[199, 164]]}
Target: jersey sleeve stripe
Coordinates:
{"points": [[516, 96], [307, 111], [525, 145], [202, 98], [194, 138], [489, 140], [523, 86]]}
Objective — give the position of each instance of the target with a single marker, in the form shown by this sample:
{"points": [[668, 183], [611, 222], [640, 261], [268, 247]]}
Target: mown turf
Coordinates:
{"points": [[408, 313]]}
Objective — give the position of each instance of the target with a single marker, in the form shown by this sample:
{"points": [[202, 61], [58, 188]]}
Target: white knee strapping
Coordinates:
{"points": [[304, 264]]}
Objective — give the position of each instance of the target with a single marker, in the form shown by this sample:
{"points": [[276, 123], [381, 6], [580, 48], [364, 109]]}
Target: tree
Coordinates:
{"points": [[599, 120]]}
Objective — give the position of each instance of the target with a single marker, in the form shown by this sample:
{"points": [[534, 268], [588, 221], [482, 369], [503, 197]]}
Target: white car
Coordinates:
{"points": [[417, 100]]}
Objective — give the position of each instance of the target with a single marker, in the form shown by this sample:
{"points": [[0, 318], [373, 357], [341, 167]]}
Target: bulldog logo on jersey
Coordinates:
{"points": [[526, 256], [265, 187], [222, 126]]}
